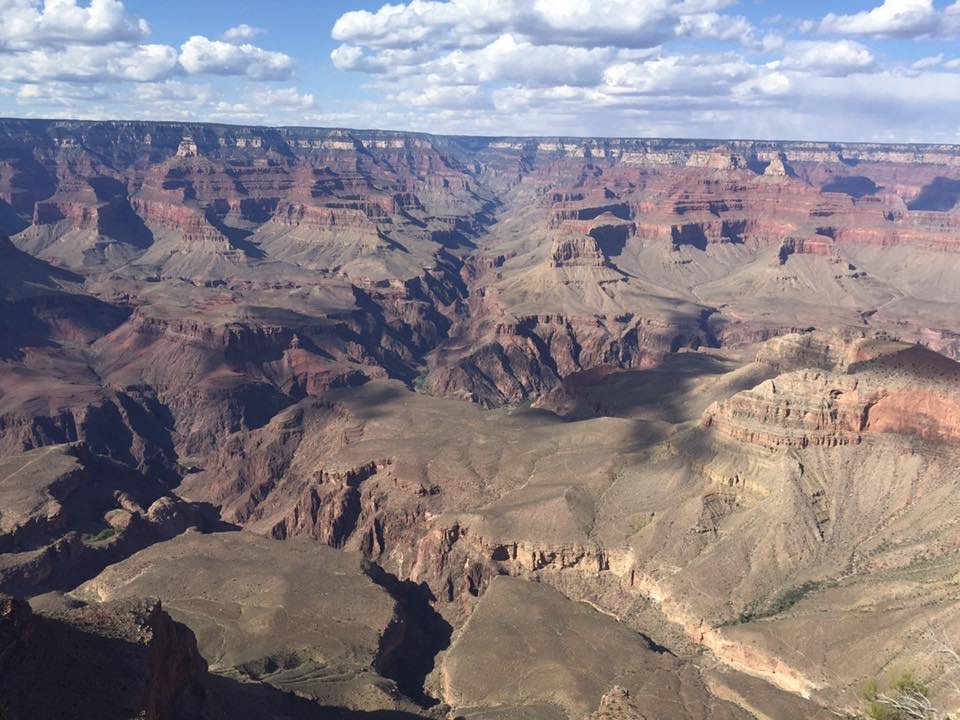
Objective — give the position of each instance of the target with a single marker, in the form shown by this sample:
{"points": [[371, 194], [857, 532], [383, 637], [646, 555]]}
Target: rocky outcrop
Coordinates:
{"points": [[880, 387], [817, 245], [718, 158], [303, 618], [571, 250], [777, 167], [530, 355], [68, 513], [122, 659], [794, 410], [616, 705]]}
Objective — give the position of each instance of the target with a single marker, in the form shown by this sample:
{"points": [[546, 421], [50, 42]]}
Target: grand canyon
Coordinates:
{"points": [[323, 423]]}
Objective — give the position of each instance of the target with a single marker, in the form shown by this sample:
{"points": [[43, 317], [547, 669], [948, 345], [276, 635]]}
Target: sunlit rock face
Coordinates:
{"points": [[362, 407]]}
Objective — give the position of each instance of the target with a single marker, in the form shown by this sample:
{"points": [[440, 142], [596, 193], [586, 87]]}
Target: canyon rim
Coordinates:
{"points": [[488, 417]]}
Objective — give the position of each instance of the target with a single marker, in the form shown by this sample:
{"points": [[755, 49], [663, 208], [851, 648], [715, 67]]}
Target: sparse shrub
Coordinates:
{"points": [[105, 534], [779, 604], [422, 383], [907, 698]]}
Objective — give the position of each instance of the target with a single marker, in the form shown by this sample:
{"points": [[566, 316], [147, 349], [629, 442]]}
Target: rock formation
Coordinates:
{"points": [[710, 391], [296, 616], [123, 659]]}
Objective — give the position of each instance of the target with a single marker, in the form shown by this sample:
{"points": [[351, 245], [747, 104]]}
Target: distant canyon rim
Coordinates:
{"points": [[325, 423]]}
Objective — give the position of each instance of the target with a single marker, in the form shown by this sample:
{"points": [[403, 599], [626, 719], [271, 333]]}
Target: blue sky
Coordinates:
{"points": [[884, 70]]}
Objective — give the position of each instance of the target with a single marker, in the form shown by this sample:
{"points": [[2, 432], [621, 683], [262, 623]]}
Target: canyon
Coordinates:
{"points": [[308, 422]]}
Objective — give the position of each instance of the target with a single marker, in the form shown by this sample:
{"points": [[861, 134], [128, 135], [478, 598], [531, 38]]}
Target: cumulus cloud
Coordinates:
{"points": [[92, 58], [284, 99], [509, 59], [927, 62], [200, 54], [63, 41], [582, 23], [28, 24], [897, 19], [449, 97], [832, 59], [616, 67], [110, 62], [59, 93], [173, 91], [592, 66], [241, 33], [677, 75], [457, 22]]}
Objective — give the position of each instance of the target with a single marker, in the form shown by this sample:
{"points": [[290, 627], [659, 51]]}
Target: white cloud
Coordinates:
{"points": [[714, 26], [897, 19], [581, 23], [509, 59], [623, 23], [768, 83], [585, 67], [110, 62], [677, 75], [242, 32], [833, 59], [589, 67], [27, 24], [202, 55], [59, 93], [927, 62], [396, 61], [173, 91], [444, 23], [445, 97], [65, 41], [283, 99], [350, 57]]}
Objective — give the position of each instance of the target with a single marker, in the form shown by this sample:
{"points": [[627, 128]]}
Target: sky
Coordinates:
{"points": [[855, 70]]}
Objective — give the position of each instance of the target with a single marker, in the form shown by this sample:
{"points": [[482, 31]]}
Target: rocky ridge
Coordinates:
{"points": [[281, 325]]}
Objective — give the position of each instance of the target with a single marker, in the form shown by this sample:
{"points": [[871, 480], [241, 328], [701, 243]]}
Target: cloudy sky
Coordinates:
{"points": [[845, 70]]}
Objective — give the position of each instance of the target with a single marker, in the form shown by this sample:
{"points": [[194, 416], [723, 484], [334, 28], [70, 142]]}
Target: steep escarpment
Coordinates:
{"points": [[125, 657], [295, 616], [651, 525], [880, 386], [417, 258], [68, 513], [702, 387]]}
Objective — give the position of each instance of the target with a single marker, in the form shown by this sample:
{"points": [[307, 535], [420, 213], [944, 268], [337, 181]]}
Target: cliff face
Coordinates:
{"points": [[118, 659], [875, 387], [281, 325], [395, 254], [794, 471], [68, 513]]}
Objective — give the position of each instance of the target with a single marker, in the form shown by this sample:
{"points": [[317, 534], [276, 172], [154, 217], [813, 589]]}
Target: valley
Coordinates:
{"points": [[365, 424]]}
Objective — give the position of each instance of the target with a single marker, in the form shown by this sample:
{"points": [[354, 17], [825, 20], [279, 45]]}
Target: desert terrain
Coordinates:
{"points": [[321, 423]]}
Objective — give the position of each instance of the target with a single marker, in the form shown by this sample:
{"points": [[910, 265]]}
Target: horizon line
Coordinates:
{"points": [[423, 133]]}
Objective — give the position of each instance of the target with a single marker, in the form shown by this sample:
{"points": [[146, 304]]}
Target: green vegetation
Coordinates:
{"points": [[422, 383], [780, 604], [906, 698], [104, 534]]}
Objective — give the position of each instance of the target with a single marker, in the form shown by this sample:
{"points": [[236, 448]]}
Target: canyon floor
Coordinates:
{"points": [[309, 423]]}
